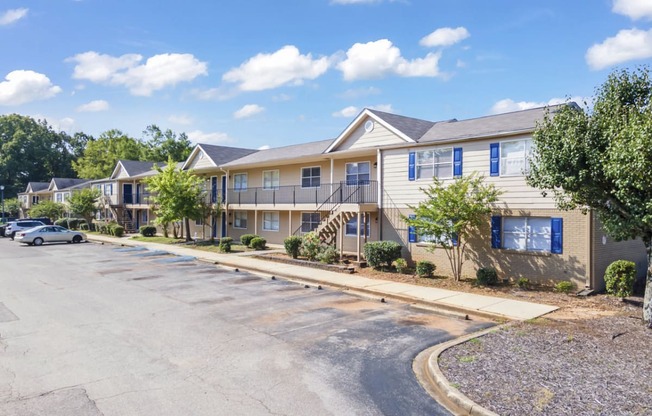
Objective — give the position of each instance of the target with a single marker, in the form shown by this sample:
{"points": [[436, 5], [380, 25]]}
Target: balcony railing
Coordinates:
{"points": [[360, 192], [143, 198]]}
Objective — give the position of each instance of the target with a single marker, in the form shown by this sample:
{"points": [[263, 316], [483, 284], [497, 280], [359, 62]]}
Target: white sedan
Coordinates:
{"points": [[49, 234]]}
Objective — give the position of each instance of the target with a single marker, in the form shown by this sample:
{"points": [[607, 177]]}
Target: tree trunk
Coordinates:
{"points": [[647, 299], [187, 225]]}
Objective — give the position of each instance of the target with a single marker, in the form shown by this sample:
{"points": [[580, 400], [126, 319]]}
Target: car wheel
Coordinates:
{"points": [[77, 239], [38, 241], [12, 235]]}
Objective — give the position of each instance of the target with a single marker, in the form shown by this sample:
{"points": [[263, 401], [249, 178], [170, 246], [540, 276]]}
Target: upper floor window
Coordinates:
{"points": [[240, 182], [108, 189], [514, 157], [311, 177], [435, 163], [59, 198], [358, 173], [271, 179]]}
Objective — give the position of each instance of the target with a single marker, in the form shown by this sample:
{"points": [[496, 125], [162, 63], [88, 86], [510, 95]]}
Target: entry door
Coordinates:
{"points": [[213, 189], [127, 193], [138, 193], [223, 189]]}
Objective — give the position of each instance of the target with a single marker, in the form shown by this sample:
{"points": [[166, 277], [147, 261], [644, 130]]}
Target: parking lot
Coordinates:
{"points": [[92, 329]]}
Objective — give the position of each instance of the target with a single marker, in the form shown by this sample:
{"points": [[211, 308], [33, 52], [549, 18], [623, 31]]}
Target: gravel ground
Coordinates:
{"points": [[597, 366]]}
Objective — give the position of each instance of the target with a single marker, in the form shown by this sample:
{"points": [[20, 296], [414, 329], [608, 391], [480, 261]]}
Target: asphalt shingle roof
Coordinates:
{"points": [[414, 128], [38, 186], [136, 167], [63, 183], [224, 154], [283, 153]]}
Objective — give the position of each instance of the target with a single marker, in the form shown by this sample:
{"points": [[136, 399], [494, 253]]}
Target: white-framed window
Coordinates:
{"points": [[240, 219], [143, 216], [108, 189], [59, 197], [66, 196], [514, 157], [270, 221], [240, 182], [352, 226], [34, 199], [434, 163], [309, 221], [311, 177], [526, 233], [199, 221], [358, 173], [271, 179]]}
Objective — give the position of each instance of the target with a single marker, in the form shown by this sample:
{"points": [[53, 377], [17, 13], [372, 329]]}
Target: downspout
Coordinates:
{"points": [[225, 204], [591, 274], [379, 180]]}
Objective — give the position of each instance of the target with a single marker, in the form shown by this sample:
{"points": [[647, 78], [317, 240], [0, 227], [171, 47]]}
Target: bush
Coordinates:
{"points": [[310, 245], [62, 222], [292, 246], [147, 230], [425, 268], [487, 276], [73, 223], [330, 255], [225, 244], [565, 287], [245, 239], [523, 283], [258, 243], [117, 230], [382, 253], [620, 277], [84, 227], [400, 265]]}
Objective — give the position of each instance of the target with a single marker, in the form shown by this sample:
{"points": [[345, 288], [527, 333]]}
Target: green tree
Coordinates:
{"points": [[601, 159], [208, 210], [84, 203], [163, 145], [12, 207], [102, 154], [50, 209], [451, 213], [31, 150], [178, 196]]}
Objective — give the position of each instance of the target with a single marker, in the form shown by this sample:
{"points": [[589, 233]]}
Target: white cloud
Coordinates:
{"points": [[347, 112], [380, 58], [627, 45], [12, 15], [264, 147], [634, 9], [284, 67], [198, 136], [94, 106], [180, 119], [24, 86], [158, 72], [248, 111], [508, 105], [65, 124], [387, 108], [445, 36]]}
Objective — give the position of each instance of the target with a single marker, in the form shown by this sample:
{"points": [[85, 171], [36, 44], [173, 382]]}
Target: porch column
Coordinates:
{"points": [[255, 221], [290, 223], [358, 237], [332, 174], [340, 234]]}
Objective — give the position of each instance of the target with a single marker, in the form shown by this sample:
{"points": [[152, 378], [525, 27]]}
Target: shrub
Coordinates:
{"points": [[620, 277], [62, 222], [73, 223], [400, 265], [147, 230], [523, 283], [565, 287], [245, 239], [487, 276], [84, 227], [292, 246], [258, 243], [118, 230], [310, 245], [382, 253], [225, 244], [329, 255], [425, 268]]}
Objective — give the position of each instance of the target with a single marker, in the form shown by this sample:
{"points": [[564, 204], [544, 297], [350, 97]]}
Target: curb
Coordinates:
{"points": [[433, 380]]}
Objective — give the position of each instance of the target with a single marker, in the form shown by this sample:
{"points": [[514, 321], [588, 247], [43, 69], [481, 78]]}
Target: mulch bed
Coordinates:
{"points": [[598, 366]]}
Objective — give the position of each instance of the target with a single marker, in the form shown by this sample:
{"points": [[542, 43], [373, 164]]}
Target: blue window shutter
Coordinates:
{"points": [[412, 232], [494, 159], [412, 175], [557, 237], [496, 223], [457, 161]]}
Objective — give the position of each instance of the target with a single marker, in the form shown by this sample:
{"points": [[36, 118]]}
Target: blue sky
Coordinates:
{"points": [[256, 73]]}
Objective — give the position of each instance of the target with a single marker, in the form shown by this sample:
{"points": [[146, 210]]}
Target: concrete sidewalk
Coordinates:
{"points": [[462, 302]]}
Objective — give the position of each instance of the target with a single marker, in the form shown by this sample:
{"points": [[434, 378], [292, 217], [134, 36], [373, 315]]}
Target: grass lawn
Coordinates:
{"points": [[214, 248], [162, 240]]}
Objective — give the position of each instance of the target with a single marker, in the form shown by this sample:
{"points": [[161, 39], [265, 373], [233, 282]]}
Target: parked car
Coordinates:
{"points": [[49, 234], [15, 226]]}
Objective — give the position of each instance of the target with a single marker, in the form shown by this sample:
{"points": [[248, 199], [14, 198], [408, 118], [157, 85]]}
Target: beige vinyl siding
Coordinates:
{"points": [[121, 173], [516, 193], [379, 136], [289, 175], [200, 161]]}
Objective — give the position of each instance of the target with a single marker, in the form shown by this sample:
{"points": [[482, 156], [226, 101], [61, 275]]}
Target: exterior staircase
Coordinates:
{"points": [[330, 225]]}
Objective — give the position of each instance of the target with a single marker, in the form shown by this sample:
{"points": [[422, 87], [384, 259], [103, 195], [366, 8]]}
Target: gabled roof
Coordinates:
{"points": [[278, 154], [134, 167], [152, 172], [58, 184], [218, 155], [36, 186], [488, 126], [407, 128]]}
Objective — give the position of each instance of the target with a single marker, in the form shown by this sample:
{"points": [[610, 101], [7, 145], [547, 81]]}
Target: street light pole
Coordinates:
{"points": [[2, 193]]}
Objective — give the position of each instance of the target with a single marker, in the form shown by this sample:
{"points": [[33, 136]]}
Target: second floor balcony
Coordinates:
{"points": [[358, 193]]}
